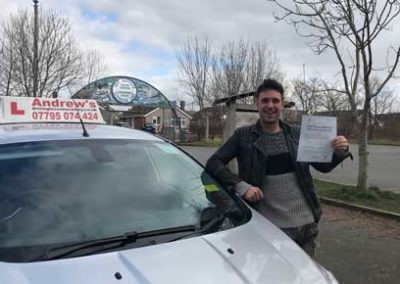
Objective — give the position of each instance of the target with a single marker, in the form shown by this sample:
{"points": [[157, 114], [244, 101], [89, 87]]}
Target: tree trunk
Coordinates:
{"points": [[363, 151], [207, 127], [355, 125], [371, 128]]}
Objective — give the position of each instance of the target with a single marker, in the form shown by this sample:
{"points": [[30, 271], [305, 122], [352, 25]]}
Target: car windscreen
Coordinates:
{"points": [[60, 192]]}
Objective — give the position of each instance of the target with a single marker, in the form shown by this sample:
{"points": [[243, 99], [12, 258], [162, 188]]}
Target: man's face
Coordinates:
{"points": [[270, 106]]}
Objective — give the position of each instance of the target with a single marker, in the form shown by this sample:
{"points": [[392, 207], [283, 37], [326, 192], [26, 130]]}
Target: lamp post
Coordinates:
{"points": [[35, 66]]}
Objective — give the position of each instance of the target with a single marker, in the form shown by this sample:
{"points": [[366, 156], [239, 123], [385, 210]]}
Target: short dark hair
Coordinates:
{"points": [[269, 84]]}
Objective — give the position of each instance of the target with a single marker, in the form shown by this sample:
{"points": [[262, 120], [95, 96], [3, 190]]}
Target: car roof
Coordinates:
{"points": [[26, 132]]}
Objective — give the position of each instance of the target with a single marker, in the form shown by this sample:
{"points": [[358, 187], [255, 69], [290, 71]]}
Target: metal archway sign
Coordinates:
{"points": [[123, 90]]}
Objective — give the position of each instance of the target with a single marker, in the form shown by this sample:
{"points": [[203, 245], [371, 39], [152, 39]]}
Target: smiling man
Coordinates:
{"points": [[270, 179]]}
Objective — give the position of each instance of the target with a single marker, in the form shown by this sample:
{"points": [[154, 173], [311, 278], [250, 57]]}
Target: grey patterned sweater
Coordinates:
{"points": [[284, 203]]}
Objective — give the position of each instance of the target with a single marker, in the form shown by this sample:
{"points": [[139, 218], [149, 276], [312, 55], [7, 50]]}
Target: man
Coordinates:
{"points": [[269, 177]]}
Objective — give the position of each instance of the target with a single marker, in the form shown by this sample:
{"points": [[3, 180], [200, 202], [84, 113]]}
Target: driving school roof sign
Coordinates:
{"points": [[23, 109]]}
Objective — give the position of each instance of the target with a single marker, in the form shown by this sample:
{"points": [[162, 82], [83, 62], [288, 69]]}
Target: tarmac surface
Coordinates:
{"points": [[384, 165], [355, 247], [359, 248]]}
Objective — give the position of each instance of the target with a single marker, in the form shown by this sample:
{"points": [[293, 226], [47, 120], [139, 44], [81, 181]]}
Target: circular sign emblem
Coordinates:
{"points": [[124, 91]]}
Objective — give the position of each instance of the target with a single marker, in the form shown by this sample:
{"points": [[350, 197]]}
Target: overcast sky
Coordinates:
{"points": [[139, 38]]}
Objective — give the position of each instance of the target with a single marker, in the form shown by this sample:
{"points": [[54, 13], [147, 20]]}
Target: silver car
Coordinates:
{"points": [[123, 206]]}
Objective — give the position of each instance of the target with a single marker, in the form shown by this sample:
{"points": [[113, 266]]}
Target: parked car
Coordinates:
{"points": [[149, 127], [91, 203]]}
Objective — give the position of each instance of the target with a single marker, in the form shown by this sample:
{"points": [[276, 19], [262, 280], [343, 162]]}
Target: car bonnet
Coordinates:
{"points": [[256, 252]]}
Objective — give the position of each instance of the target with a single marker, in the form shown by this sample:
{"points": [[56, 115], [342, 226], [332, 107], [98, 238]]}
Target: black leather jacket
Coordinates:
{"points": [[248, 149]]}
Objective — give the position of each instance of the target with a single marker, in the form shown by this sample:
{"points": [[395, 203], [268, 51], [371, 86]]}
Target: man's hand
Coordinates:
{"points": [[253, 194], [340, 145]]}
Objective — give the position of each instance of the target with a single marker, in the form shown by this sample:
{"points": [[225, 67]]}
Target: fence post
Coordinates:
{"points": [[229, 129]]}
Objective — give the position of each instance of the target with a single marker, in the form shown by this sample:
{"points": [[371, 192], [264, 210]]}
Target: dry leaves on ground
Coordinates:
{"points": [[377, 226]]}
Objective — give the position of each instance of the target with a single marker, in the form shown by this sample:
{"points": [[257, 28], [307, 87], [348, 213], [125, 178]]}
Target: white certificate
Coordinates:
{"points": [[317, 133]]}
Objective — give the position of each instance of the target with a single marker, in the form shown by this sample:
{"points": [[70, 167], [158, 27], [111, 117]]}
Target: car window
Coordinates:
{"points": [[67, 191]]}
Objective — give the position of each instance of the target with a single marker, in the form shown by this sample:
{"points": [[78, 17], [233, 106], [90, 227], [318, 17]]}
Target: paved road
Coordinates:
{"points": [[384, 162], [383, 172], [359, 248]]}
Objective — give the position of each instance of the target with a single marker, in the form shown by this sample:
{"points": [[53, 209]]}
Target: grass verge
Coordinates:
{"points": [[203, 143], [379, 142], [384, 142], [373, 197]]}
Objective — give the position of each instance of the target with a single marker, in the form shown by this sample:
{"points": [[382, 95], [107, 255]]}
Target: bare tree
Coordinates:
{"points": [[262, 62], [314, 94], [381, 104], [349, 28], [7, 85], [240, 66], [306, 94], [194, 63], [331, 100], [237, 66], [58, 57], [384, 102], [94, 66], [231, 65]]}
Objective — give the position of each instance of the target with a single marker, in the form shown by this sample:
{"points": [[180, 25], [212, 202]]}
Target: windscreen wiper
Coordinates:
{"points": [[213, 224], [63, 251], [102, 244]]}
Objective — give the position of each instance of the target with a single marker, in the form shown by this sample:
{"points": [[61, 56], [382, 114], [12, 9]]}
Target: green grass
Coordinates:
{"points": [[211, 143], [378, 142], [384, 142], [373, 197]]}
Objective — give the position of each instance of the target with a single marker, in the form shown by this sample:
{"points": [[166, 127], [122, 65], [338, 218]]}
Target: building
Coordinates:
{"points": [[161, 118]]}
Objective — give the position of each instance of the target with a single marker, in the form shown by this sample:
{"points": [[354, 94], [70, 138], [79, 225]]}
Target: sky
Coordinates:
{"points": [[139, 38]]}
